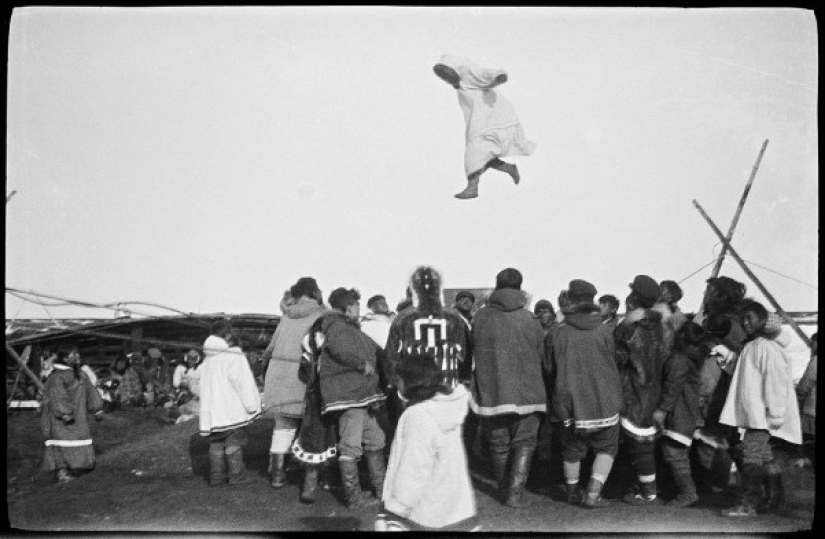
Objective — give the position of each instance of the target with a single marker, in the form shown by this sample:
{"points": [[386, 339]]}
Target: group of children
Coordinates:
{"points": [[718, 384]]}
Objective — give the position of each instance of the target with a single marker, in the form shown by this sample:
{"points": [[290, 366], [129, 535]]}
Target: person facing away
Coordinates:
{"points": [[349, 389], [492, 129], [585, 392], [68, 401], [644, 340], [608, 307], [376, 323], [428, 482], [677, 413], [284, 392], [507, 389], [761, 400], [229, 401]]}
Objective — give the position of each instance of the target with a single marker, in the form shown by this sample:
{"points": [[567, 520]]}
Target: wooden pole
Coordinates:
{"points": [[753, 278], [24, 368], [733, 223], [718, 265]]}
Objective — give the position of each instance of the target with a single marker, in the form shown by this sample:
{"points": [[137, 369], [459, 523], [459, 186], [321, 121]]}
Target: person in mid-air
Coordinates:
{"points": [[492, 128]]}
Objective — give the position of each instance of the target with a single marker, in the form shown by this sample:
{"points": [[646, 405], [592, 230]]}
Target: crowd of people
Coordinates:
{"points": [[413, 394]]}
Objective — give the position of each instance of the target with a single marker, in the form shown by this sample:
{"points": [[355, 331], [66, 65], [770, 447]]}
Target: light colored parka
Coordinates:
{"points": [[229, 395], [427, 478], [762, 387]]}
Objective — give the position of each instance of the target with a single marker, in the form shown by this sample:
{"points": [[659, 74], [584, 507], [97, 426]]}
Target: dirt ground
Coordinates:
{"points": [[151, 477]]}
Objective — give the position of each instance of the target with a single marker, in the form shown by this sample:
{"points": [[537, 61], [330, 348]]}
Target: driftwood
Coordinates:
{"points": [[25, 368], [753, 277]]}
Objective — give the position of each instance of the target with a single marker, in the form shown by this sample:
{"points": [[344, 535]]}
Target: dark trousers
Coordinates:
{"points": [[511, 431]]}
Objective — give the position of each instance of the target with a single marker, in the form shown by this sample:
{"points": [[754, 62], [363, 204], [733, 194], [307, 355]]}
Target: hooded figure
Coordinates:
{"points": [[428, 482], [492, 129], [428, 328], [69, 399], [508, 389]]}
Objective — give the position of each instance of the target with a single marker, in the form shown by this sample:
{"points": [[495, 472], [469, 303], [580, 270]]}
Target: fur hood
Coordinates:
{"points": [[336, 317], [582, 316], [645, 317]]}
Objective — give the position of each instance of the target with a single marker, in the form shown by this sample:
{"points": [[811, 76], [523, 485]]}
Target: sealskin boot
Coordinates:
{"points": [[775, 491], [686, 490], [573, 494], [752, 476], [355, 499], [593, 498], [499, 462], [217, 468], [471, 191], [518, 478], [234, 459], [277, 473], [377, 469], [645, 495], [308, 492]]}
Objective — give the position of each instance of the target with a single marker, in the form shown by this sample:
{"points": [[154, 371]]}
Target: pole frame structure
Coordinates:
{"points": [[24, 368], [753, 277], [721, 258]]}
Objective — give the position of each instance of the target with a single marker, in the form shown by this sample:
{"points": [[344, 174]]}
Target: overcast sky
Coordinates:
{"points": [[206, 158]]}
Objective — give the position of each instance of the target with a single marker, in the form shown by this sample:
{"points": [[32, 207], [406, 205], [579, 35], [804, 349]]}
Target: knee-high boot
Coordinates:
{"points": [[774, 488], [355, 499], [276, 470], [752, 476], [518, 477], [308, 492], [377, 470], [234, 459], [499, 462], [217, 467]]}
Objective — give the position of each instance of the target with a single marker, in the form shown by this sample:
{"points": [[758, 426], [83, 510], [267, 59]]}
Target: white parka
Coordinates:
{"points": [[229, 395], [427, 477], [762, 387]]}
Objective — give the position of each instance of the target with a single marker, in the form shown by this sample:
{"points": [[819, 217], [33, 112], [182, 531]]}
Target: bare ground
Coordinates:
{"points": [[151, 477]]}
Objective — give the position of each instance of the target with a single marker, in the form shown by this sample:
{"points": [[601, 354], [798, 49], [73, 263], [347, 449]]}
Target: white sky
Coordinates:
{"points": [[206, 158]]}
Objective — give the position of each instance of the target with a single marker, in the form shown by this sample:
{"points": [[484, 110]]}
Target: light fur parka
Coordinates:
{"points": [[427, 478], [229, 395], [762, 387]]}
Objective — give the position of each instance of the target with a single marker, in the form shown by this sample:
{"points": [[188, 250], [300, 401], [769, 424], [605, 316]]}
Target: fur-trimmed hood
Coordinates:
{"points": [[585, 316], [645, 317]]}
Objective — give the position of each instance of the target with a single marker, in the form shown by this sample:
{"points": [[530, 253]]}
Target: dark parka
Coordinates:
{"points": [[643, 343], [581, 370], [680, 394], [344, 355], [508, 349]]}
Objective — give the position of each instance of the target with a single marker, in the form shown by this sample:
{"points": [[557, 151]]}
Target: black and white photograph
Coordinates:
{"points": [[276, 269]]}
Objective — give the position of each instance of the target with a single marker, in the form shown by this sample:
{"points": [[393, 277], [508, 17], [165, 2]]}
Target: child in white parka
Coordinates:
{"points": [[762, 401], [428, 483]]}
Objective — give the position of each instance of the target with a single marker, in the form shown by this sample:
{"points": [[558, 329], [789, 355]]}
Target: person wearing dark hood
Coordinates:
{"points": [[644, 340], [677, 413], [586, 392], [508, 390], [545, 314], [463, 305], [608, 307], [426, 327], [68, 400]]}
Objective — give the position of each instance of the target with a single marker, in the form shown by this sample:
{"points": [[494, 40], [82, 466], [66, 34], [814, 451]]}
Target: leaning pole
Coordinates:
{"points": [[721, 258], [753, 277]]}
